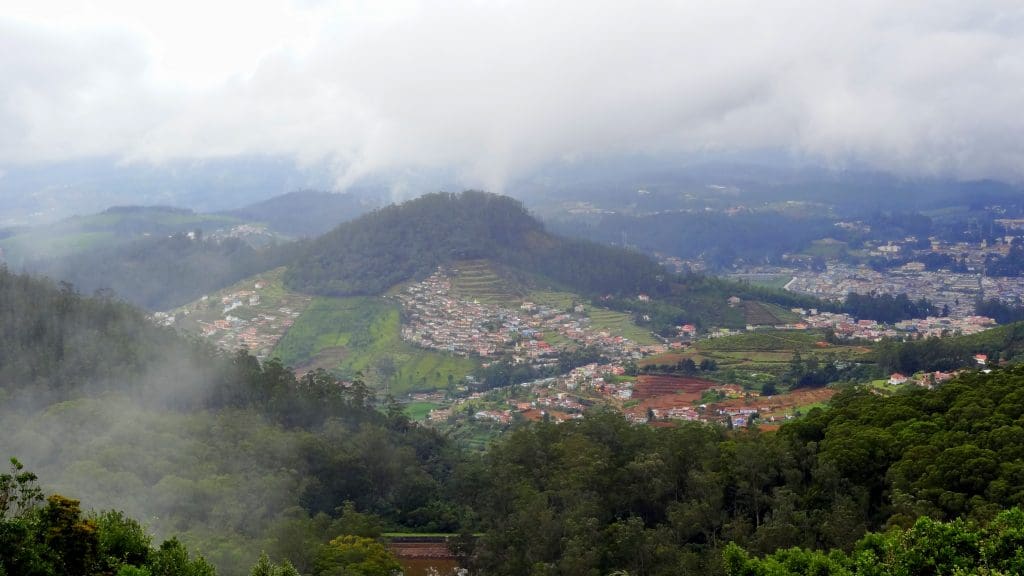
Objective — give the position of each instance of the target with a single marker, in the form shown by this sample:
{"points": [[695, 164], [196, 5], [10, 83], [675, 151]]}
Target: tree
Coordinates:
{"points": [[264, 567], [71, 538], [19, 492], [122, 540], [355, 556], [172, 559], [354, 523]]}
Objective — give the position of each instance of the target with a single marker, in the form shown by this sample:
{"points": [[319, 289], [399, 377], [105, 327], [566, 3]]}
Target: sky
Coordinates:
{"points": [[493, 89]]}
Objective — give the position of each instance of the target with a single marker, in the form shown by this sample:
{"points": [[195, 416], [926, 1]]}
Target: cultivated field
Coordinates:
{"points": [[648, 386], [477, 280]]}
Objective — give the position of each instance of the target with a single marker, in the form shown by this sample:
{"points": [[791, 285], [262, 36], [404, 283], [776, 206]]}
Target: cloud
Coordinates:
{"points": [[494, 89]]}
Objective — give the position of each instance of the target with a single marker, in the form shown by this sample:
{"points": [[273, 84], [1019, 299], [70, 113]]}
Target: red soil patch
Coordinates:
{"points": [[536, 415], [434, 549]]}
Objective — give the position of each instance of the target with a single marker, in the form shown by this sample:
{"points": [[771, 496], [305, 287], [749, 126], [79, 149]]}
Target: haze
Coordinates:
{"points": [[491, 90]]}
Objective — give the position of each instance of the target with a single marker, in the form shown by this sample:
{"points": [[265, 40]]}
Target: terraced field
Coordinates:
{"points": [[769, 340], [476, 280], [561, 300], [759, 314], [781, 405]]}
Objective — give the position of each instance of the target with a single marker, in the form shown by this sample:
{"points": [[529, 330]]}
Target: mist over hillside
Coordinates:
{"points": [[230, 456], [323, 288]]}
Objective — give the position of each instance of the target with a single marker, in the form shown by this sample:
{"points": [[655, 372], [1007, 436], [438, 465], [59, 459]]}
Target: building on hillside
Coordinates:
{"points": [[896, 378]]}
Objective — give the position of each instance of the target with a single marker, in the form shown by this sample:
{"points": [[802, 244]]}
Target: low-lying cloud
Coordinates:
{"points": [[494, 89]]}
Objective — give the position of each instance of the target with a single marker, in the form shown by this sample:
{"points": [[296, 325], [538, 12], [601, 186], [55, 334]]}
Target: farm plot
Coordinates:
{"points": [[778, 406], [650, 385]]}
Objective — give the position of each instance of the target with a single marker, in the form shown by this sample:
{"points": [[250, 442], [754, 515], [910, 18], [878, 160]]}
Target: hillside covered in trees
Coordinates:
{"points": [[410, 240], [600, 495], [231, 456], [161, 273]]}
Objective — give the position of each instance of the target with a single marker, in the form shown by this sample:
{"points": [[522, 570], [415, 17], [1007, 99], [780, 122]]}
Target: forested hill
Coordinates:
{"points": [[54, 343], [399, 242]]}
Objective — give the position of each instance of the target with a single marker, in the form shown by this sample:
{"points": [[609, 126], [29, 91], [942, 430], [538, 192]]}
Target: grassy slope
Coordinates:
{"points": [[420, 410], [354, 334], [619, 323]]}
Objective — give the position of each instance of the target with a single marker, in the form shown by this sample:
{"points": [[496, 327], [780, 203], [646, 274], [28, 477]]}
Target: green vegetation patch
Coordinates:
{"points": [[767, 340], [362, 334], [827, 248], [420, 410], [620, 324], [776, 282], [98, 231]]}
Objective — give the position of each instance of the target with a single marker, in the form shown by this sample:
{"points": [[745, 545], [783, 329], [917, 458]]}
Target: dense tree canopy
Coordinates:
{"points": [[600, 495], [928, 547], [59, 539], [886, 307]]}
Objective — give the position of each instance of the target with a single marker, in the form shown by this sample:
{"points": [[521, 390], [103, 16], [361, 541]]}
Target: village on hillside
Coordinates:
{"points": [[436, 318], [252, 315]]}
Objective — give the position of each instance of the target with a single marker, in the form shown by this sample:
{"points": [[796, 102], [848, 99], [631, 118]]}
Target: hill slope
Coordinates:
{"points": [[404, 241], [304, 213]]}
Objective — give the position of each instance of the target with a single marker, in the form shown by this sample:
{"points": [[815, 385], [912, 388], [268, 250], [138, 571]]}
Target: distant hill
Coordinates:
{"points": [[117, 225], [163, 272], [410, 240], [156, 257], [406, 241], [305, 213]]}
